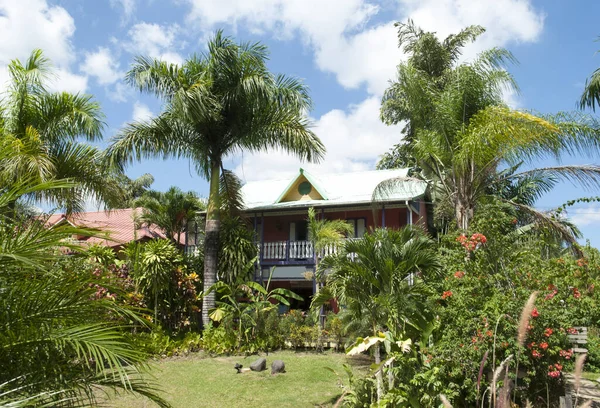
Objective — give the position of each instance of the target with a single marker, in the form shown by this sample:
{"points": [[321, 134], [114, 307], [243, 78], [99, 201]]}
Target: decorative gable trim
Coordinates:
{"points": [[302, 174]]}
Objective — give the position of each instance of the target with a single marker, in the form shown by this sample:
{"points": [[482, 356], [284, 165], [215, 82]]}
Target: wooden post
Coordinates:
{"points": [[262, 243]]}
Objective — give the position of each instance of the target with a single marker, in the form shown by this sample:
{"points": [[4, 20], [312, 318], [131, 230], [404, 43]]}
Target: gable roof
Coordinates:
{"points": [[300, 176], [337, 189], [119, 224]]}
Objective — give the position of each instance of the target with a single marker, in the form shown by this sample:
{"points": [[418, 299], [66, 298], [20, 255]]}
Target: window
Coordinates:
{"points": [[359, 226]]}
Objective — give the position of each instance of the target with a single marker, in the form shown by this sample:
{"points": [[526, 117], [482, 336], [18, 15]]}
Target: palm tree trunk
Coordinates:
{"points": [[211, 240]]}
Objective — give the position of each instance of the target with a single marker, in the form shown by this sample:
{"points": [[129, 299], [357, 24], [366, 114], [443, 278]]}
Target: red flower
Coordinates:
{"points": [[567, 354], [446, 294], [544, 345], [572, 330], [534, 312], [536, 354], [553, 374], [459, 274], [551, 295], [489, 333], [576, 293], [548, 332], [558, 367]]}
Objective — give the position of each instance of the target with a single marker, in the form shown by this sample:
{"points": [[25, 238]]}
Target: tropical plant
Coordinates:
{"points": [[591, 92], [171, 211], [60, 341], [158, 260], [133, 189], [462, 133], [322, 234], [246, 305], [378, 280], [216, 104], [40, 129]]}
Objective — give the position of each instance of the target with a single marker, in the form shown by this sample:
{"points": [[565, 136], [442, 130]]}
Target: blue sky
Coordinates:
{"points": [[345, 50]]}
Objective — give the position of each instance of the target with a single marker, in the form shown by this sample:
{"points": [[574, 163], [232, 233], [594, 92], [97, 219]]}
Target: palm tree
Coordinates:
{"points": [[217, 104], [41, 129], [462, 132], [134, 188], [172, 211], [591, 93], [374, 279], [322, 234], [59, 344]]}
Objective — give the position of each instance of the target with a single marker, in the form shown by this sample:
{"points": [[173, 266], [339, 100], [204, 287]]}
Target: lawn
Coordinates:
{"points": [[201, 381]]}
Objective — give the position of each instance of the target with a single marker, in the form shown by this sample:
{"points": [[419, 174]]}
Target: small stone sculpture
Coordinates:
{"points": [[259, 365], [277, 367]]}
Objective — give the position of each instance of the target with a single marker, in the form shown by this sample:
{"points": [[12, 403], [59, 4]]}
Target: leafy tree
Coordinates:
{"points": [[216, 104], [461, 132], [172, 211], [41, 130], [247, 314], [158, 260], [60, 341], [378, 280], [134, 188]]}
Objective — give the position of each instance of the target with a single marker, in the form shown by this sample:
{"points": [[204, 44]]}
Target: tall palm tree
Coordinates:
{"points": [[591, 93], [462, 132], [216, 104], [59, 344], [42, 128], [172, 210], [134, 188], [371, 278]]}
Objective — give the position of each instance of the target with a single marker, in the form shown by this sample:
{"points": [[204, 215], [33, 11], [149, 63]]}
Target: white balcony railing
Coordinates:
{"points": [[294, 251]]}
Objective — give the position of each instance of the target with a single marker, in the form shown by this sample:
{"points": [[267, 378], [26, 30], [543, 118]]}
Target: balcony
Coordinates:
{"points": [[292, 253]]}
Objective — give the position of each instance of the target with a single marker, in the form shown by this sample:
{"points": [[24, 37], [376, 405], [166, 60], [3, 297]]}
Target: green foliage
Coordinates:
{"points": [[172, 211], [459, 131], [237, 250], [62, 334], [216, 104], [39, 130]]}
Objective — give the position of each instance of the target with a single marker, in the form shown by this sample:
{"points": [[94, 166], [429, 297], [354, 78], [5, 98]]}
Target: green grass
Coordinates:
{"points": [[201, 381], [590, 376]]}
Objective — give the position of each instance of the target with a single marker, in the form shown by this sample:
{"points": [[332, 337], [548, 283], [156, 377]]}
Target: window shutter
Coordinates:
{"points": [[292, 231]]}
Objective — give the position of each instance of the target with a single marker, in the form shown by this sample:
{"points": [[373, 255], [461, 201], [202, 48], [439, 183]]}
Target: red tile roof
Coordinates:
{"points": [[119, 224]]}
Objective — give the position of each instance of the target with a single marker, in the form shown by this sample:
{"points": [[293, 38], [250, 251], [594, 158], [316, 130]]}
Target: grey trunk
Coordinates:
{"points": [[211, 248]]}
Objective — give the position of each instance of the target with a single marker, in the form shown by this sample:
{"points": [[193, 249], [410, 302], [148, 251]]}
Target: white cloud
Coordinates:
{"points": [[66, 81], [119, 92], [353, 139], [141, 112], [102, 65], [348, 41], [505, 21], [128, 7], [29, 24], [585, 216], [358, 54], [156, 41]]}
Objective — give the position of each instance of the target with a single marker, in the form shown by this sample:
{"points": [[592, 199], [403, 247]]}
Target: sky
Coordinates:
{"points": [[346, 51]]}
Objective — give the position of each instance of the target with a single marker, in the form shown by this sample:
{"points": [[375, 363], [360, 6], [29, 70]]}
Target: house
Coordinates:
{"points": [[278, 210], [120, 227]]}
